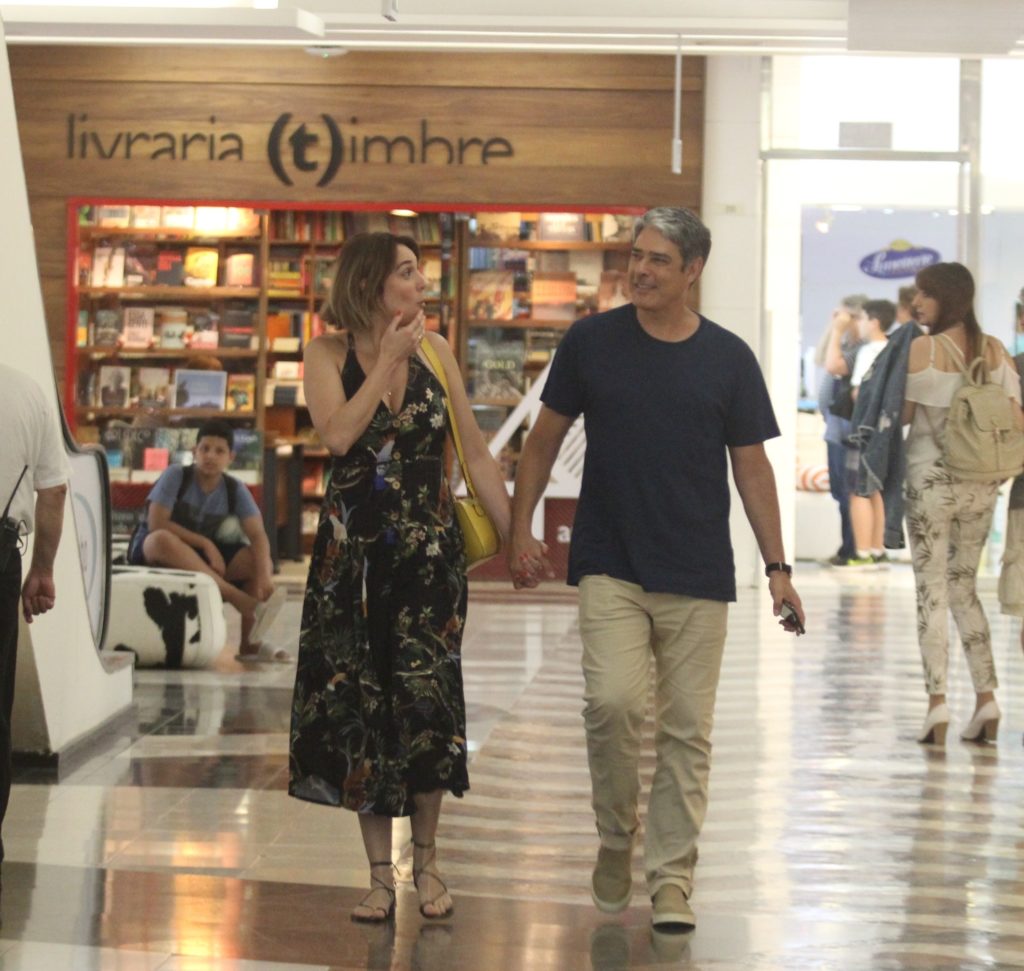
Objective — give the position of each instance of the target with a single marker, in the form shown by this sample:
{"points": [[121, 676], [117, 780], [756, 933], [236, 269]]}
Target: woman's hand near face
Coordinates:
{"points": [[401, 341]]}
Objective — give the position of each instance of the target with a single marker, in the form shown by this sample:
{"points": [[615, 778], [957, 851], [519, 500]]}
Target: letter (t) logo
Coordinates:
{"points": [[303, 142]]}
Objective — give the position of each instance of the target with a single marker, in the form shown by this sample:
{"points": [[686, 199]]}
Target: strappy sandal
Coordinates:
{"points": [[376, 886], [434, 875]]}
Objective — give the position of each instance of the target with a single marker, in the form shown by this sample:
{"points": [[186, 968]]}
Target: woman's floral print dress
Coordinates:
{"points": [[378, 713]]}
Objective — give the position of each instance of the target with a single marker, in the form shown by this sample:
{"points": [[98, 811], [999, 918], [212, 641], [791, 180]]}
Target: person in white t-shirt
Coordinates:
{"points": [[31, 461], [867, 513]]}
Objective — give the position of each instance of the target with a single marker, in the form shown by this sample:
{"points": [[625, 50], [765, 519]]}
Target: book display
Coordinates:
{"points": [[179, 313], [528, 277]]}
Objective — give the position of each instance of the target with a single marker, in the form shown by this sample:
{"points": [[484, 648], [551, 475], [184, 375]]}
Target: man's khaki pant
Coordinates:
{"points": [[622, 628]]}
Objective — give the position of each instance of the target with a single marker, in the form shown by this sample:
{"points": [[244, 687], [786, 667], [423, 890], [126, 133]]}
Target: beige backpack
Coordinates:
{"points": [[983, 442]]}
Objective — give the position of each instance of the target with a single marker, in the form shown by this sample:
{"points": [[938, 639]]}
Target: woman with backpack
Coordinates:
{"points": [[952, 480]]}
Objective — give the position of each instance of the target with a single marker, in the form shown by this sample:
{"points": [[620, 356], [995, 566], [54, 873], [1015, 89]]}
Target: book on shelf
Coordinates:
{"points": [[179, 443], [490, 294], [236, 328], [562, 227], [286, 393], [107, 327], [115, 386], [154, 387], [239, 269], [107, 266], [113, 216], [204, 327], [200, 266], [139, 327], [613, 290], [146, 217], [155, 459], [553, 296], [248, 462], [496, 367], [140, 262], [170, 268], [178, 217], [541, 344], [82, 329], [430, 267], [287, 370], [86, 385], [172, 327], [199, 389], [126, 444], [241, 392], [617, 227], [497, 227]]}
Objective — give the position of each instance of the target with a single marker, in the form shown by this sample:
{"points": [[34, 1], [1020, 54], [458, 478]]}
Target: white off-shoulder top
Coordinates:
{"points": [[932, 391]]}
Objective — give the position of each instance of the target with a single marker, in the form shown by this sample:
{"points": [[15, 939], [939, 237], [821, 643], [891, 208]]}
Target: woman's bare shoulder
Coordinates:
{"points": [[333, 344], [920, 353]]}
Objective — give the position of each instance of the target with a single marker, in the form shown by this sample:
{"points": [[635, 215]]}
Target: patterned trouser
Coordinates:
{"points": [[948, 523]]}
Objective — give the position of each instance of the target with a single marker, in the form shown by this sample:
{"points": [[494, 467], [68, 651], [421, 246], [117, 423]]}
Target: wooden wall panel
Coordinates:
{"points": [[583, 131]]}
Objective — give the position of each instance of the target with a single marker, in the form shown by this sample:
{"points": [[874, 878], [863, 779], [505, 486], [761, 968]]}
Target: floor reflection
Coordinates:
{"points": [[833, 840]]}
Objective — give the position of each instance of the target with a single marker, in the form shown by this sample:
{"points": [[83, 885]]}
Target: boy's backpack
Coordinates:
{"points": [[983, 442], [141, 528]]}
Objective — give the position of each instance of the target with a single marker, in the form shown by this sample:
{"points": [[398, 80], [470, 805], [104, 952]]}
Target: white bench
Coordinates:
{"points": [[169, 618]]}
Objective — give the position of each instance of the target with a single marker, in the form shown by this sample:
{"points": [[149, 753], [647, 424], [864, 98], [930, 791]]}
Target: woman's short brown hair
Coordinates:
{"points": [[363, 266]]}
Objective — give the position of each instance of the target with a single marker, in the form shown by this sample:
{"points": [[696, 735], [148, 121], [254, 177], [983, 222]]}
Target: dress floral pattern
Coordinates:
{"points": [[378, 713]]}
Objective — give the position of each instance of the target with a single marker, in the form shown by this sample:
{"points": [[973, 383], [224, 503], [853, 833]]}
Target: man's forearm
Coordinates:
{"points": [[756, 486], [532, 475], [49, 521]]}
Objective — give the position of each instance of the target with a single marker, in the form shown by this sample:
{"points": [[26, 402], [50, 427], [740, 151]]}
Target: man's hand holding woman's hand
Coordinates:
{"points": [[527, 560]]}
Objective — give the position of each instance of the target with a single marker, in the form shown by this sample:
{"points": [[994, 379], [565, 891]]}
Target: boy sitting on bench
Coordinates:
{"points": [[200, 518]]}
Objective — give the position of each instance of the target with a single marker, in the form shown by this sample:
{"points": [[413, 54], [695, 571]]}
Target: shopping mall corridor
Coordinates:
{"points": [[833, 840]]}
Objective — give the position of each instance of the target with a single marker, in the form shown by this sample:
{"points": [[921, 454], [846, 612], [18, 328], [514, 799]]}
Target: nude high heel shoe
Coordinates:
{"points": [[984, 726], [935, 725]]}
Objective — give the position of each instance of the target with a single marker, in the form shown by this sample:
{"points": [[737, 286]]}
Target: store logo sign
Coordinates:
{"points": [[899, 259], [318, 150]]}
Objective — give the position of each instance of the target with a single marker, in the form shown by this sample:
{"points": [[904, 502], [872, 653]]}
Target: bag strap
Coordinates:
{"points": [[231, 484], [979, 364], [438, 368]]}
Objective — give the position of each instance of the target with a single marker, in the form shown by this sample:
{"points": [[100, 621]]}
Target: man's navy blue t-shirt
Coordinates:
{"points": [[659, 416]]}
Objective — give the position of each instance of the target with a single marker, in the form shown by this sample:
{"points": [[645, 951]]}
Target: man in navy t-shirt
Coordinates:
{"points": [[669, 400], [198, 518]]}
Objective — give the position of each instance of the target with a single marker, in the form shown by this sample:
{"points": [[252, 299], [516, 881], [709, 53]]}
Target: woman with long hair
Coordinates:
{"points": [[378, 716], [948, 518]]}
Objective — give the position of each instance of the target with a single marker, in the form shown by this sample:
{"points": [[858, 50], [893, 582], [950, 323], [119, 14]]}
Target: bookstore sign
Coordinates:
{"points": [[316, 150]]}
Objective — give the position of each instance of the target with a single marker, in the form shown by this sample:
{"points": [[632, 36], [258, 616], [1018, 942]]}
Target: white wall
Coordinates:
{"points": [[63, 690], [731, 290]]}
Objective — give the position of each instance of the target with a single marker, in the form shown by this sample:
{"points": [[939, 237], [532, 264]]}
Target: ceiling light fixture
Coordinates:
{"points": [[389, 10], [677, 135]]}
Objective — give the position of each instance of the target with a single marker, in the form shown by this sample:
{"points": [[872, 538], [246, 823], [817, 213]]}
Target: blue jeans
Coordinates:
{"points": [[839, 487]]}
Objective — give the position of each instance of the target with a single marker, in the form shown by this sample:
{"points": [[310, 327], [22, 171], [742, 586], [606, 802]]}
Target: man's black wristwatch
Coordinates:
{"points": [[771, 568]]}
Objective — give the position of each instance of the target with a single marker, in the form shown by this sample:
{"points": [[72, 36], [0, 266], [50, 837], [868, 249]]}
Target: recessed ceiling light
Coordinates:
{"points": [[325, 50]]}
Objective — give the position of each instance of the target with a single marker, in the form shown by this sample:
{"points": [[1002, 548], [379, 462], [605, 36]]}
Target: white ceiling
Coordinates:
{"points": [[981, 27]]}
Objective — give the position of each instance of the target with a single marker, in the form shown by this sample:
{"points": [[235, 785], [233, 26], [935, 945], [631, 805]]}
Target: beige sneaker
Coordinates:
{"points": [[672, 912], [612, 883]]}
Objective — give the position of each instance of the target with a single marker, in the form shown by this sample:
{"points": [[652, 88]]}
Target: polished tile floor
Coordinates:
{"points": [[833, 841]]}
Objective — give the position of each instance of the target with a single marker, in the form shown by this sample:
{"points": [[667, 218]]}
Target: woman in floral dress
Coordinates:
{"points": [[378, 716]]}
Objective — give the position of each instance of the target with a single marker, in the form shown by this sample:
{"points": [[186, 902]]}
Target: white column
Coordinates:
{"points": [[63, 691], [731, 289]]}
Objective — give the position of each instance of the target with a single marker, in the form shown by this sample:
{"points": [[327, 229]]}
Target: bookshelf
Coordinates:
{"points": [[155, 290], [526, 277]]}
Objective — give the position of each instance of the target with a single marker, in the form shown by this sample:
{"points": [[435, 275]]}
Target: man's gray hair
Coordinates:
{"points": [[679, 226]]}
